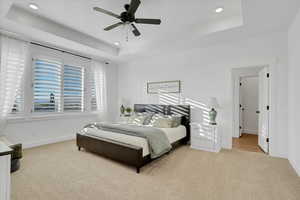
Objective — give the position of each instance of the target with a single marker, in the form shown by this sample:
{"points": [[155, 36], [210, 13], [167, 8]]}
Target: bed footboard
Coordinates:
{"points": [[121, 152]]}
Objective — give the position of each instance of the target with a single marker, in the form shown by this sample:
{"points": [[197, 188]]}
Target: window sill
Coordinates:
{"points": [[47, 116]]}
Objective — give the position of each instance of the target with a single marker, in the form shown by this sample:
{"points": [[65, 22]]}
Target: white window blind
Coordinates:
{"points": [[73, 88], [47, 86], [93, 97], [18, 106]]}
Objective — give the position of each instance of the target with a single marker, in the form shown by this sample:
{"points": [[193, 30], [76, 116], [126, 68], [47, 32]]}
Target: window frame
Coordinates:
{"points": [[41, 53]]}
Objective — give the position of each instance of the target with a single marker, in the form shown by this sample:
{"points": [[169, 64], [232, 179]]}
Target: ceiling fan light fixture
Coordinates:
{"points": [[33, 6], [128, 18], [219, 9]]}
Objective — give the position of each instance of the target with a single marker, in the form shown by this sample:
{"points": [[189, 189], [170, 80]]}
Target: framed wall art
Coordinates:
{"points": [[163, 87]]}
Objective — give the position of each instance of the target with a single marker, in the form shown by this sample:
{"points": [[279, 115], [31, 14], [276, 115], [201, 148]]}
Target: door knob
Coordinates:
{"points": [[257, 112]]}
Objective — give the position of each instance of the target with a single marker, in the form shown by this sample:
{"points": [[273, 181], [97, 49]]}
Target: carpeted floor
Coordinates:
{"points": [[60, 172]]}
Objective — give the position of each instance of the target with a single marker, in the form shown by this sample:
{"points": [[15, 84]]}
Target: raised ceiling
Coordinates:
{"points": [[182, 22]]}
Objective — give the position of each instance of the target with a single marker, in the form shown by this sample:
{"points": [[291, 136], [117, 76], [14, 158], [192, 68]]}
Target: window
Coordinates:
{"points": [[57, 87], [47, 86], [59, 83], [73, 88]]}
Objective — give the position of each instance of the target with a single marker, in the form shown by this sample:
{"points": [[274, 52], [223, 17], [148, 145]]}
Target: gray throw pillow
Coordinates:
{"points": [[148, 117], [136, 119], [176, 120]]}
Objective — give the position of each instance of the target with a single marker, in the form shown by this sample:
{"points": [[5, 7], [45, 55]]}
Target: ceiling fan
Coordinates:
{"points": [[128, 17]]}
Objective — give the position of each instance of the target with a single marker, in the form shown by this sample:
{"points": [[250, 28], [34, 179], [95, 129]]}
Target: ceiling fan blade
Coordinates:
{"points": [[148, 21], [113, 26], [135, 31], [106, 12], [134, 6]]}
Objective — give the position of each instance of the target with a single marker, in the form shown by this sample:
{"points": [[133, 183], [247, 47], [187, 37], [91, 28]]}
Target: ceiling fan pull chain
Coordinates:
{"points": [[127, 31]]}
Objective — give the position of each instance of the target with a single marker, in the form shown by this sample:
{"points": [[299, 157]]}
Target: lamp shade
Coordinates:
{"points": [[213, 103]]}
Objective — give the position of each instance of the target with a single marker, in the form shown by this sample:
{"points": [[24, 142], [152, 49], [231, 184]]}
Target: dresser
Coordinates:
{"points": [[5, 158], [205, 137]]}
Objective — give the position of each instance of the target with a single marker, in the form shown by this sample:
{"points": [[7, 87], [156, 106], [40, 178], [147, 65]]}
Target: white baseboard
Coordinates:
{"points": [[48, 141], [294, 165], [252, 132]]}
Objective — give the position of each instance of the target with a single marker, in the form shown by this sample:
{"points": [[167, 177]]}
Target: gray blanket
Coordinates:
{"points": [[157, 139]]}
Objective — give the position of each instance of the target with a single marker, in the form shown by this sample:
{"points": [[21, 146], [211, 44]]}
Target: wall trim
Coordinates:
{"points": [[49, 141], [252, 132], [295, 167]]}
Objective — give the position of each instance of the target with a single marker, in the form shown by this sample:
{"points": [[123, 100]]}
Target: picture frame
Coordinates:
{"points": [[164, 87]]}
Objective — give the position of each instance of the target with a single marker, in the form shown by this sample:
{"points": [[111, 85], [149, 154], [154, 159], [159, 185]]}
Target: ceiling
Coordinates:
{"points": [[183, 22]]}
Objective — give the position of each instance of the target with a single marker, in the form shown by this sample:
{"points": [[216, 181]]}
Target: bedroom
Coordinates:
{"points": [[200, 53]]}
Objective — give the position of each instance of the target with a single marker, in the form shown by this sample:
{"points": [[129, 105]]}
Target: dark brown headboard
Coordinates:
{"points": [[183, 110]]}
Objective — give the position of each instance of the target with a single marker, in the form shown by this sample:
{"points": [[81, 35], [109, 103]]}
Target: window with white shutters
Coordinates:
{"points": [[73, 80], [47, 85]]}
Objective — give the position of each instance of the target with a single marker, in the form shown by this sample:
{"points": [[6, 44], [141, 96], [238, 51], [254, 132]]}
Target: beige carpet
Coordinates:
{"points": [[60, 172]]}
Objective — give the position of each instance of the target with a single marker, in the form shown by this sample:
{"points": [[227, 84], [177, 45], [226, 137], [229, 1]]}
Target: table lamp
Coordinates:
{"points": [[213, 104]]}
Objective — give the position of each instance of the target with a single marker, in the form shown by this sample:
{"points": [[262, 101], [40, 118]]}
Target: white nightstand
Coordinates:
{"points": [[205, 137]]}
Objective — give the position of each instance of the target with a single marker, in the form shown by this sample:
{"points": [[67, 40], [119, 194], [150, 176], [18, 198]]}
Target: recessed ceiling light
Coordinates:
{"points": [[117, 43], [33, 6], [219, 9]]}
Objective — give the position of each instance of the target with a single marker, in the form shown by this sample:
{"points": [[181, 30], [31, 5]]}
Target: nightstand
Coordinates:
{"points": [[205, 137]]}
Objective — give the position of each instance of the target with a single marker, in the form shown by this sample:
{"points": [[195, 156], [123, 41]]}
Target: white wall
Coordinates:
{"points": [[294, 94], [38, 131], [249, 101], [206, 72]]}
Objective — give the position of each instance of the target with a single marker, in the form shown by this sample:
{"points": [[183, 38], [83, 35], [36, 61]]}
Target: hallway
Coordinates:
{"points": [[247, 142]]}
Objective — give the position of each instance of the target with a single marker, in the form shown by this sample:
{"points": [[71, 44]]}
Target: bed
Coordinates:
{"points": [[133, 150]]}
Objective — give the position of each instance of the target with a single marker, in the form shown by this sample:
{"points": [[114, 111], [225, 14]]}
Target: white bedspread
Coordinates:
{"points": [[173, 135]]}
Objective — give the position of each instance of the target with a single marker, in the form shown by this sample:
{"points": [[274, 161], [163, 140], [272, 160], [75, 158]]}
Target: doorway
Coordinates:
{"points": [[251, 95]]}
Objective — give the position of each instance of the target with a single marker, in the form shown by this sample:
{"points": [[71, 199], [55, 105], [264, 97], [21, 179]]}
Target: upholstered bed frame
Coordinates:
{"points": [[130, 154]]}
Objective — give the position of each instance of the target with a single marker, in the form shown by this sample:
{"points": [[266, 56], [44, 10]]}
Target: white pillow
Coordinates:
{"points": [[163, 123]]}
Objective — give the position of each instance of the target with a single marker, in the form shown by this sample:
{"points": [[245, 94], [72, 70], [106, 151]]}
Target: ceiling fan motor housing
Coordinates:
{"points": [[127, 17]]}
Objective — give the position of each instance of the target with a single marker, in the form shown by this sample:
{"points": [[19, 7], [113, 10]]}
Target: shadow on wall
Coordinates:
{"points": [[199, 112], [199, 109]]}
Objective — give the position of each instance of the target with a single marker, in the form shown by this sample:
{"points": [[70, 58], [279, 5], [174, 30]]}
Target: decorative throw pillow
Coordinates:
{"points": [[176, 120], [154, 118], [137, 119], [163, 123]]}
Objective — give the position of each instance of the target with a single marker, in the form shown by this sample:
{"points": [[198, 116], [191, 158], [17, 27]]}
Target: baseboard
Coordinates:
{"points": [[252, 132], [294, 165], [48, 141]]}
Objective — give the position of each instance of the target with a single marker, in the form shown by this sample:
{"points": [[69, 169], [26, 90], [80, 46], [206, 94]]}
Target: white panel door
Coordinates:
{"points": [[263, 127], [241, 110]]}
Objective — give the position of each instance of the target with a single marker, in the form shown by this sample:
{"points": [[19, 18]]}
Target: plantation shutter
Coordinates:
{"points": [[73, 88], [18, 106], [93, 94], [47, 86]]}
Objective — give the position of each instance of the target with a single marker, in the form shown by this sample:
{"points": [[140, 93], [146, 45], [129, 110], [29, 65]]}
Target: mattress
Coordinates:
{"points": [[173, 135]]}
